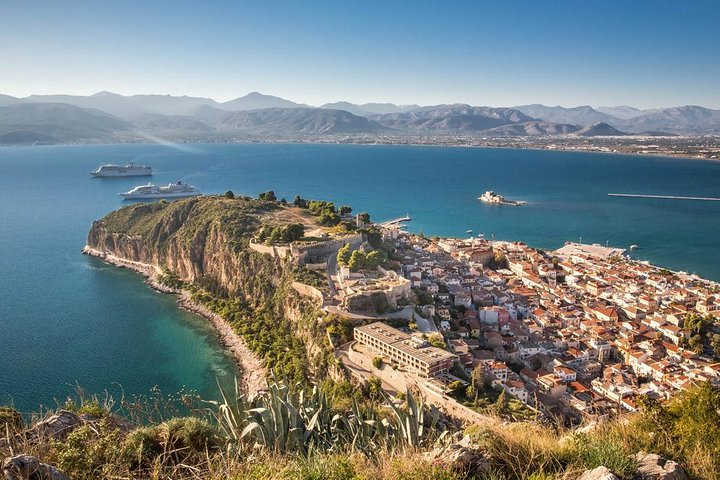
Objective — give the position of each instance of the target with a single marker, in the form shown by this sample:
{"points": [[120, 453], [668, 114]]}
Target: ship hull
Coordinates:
{"points": [[158, 196], [145, 173]]}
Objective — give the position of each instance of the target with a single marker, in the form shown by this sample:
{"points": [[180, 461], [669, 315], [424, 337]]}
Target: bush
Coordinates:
{"points": [[10, 419], [183, 439], [377, 362], [92, 452], [229, 194]]}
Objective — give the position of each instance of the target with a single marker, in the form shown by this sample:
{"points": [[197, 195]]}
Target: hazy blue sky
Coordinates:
{"points": [[643, 53]]}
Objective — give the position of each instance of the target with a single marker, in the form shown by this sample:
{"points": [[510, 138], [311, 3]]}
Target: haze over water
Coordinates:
{"points": [[66, 318]]}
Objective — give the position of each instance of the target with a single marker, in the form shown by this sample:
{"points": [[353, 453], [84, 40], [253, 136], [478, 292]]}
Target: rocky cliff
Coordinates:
{"points": [[200, 246]]}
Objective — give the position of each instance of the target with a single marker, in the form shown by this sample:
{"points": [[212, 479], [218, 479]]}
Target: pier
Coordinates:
{"points": [[664, 197], [396, 222]]}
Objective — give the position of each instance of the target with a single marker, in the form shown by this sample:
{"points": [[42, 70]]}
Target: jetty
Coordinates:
{"points": [[395, 222], [664, 197]]}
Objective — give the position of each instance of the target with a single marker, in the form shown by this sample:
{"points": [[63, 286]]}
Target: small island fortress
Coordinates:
{"points": [[492, 197]]}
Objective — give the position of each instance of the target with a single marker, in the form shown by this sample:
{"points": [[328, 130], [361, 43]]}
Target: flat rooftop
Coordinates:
{"points": [[403, 342], [595, 250]]}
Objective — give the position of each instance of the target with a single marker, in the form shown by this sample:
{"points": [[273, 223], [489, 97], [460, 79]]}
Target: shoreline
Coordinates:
{"points": [[252, 373], [408, 144]]}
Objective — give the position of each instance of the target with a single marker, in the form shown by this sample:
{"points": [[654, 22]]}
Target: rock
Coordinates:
{"points": [[460, 456], [27, 467], [599, 473], [655, 467], [57, 427]]}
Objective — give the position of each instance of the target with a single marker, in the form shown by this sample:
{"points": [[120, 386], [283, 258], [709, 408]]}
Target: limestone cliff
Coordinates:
{"points": [[203, 244]]}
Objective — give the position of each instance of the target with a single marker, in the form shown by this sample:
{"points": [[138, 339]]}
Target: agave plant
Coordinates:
{"points": [[287, 418]]}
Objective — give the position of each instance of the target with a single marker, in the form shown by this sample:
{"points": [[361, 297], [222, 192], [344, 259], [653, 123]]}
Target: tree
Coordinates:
{"points": [[455, 385], [356, 261], [364, 218], [502, 403], [343, 255], [344, 210], [229, 194], [294, 231], [377, 362], [299, 202], [268, 196], [374, 387], [715, 344], [696, 344], [471, 393]]}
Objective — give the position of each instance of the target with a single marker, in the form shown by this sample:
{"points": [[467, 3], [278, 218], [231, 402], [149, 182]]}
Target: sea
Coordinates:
{"points": [[67, 320]]}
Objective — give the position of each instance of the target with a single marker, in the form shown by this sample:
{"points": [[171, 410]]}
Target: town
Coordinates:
{"points": [[578, 334]]}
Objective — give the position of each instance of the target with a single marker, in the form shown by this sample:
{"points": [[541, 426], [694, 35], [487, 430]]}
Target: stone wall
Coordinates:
{"points": [[308, 291]]}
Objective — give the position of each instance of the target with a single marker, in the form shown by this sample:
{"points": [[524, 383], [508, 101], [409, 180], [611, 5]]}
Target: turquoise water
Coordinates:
{"points": [[66, 318]]}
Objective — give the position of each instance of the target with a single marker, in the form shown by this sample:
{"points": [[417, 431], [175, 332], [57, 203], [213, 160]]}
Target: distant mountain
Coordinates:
{"points": [[130, 106], [370, 108], [256, 100], [173, 125], [534, 128], [6, 100], [599, 129], [304, 121], [682, 120], [457, 118], [57, 123], [583, 115], [622, 112]]}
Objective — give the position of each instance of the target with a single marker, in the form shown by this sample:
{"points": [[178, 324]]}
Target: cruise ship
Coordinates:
{"points": [[492, 197], [129, 170], [171, 190]]}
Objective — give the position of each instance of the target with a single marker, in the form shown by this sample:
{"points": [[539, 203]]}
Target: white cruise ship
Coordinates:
{"points": [[171, 190], [129, 170]]}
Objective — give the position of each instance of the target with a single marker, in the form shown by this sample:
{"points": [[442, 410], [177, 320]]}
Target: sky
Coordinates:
{"points": [[645, 53]]}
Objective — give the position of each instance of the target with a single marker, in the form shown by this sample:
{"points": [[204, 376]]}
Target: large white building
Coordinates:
{"points": [[412, 352]]}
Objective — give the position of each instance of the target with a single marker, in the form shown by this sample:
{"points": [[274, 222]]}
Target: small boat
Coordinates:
{"points": [[633, 247], [468, 231]]}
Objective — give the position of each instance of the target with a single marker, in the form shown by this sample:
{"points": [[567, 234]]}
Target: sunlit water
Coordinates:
{"points": [[66, 318]]}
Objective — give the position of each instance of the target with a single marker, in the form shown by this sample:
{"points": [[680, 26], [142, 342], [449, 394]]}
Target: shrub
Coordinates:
{"points": [[181, 439], [91, 452], [377, 362], [229, 194], [10, 420]]}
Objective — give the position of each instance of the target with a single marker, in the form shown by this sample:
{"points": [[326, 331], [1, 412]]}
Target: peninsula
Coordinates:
{"points": [[476, 331]]}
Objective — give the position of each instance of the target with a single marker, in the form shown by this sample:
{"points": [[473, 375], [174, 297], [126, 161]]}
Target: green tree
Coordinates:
{"points": [[300, 202], [377, 362], [268, 196], [229, 194], [696, 344], [344, 210], [343, 255], [357, 261], [715, 344], [364, 218], [374, 387], [502, 403], [294, 231], [455, 385]]}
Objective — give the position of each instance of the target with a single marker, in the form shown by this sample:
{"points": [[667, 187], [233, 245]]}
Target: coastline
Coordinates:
{"points": [[252, 372], [381, 143]]}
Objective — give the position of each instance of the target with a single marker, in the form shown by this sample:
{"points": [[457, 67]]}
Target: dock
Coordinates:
{"points": [[664, 197], [396, 222]]}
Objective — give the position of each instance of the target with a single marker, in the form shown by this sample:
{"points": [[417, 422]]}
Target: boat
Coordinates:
{"points": [[492, 197], [171, 190], [468, 231], [633, 246], [129, 170]]}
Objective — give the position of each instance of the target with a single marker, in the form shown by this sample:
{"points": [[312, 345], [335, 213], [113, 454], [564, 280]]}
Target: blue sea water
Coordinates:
{"points": [[66, 318]]}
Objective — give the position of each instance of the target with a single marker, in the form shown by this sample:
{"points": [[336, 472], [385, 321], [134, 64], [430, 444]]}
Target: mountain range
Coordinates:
{"points": [[109, 117]]}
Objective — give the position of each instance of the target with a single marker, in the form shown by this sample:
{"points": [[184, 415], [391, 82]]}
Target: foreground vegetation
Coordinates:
{"points": [[339, 431]]}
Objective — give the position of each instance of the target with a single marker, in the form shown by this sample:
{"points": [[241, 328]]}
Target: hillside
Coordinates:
{"points": [[600, 129], [304, 121], [451, 118], [256, 101], [57, 123], [534, 128], [582, 115]]}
